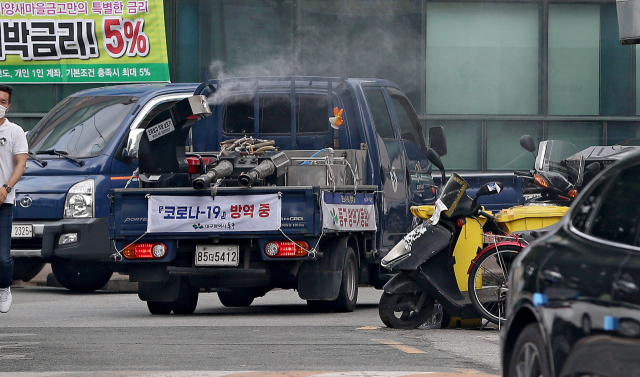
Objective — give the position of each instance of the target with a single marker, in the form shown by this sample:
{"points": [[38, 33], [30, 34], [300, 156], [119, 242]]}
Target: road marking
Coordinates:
{"points": [[369, 328], [399, 346]]}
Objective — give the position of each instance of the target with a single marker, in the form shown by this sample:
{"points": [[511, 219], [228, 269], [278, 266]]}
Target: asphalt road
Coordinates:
{"points": [[51, 331]]}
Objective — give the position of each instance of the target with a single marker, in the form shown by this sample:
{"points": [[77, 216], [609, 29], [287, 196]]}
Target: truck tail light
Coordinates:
{"points": [[145, 251], [286, 249]]}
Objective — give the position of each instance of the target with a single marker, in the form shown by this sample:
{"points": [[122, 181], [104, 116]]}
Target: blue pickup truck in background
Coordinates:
{"points": [[81, 149], [289, 198], [87, 145]]}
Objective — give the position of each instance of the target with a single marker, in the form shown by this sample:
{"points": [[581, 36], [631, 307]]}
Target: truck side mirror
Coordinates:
{"points": [[526, 142], [433, 157], [438, 141], [489, 188]]}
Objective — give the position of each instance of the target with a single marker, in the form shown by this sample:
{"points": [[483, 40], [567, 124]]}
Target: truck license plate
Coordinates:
{"points": [[217, 255], [22, 231]]}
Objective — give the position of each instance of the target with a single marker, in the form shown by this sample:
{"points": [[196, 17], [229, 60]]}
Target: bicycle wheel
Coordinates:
{"points": [[488, 282]]}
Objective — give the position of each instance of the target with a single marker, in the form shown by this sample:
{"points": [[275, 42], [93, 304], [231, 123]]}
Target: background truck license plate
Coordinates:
{"points": [[21, 231], [217, 255]]}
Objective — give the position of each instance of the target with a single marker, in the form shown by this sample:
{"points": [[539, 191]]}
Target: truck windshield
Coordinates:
{"points": [[81, 126]]}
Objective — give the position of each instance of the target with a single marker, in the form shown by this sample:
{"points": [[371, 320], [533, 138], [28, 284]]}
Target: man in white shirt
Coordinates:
{"points": [[13, 162]]}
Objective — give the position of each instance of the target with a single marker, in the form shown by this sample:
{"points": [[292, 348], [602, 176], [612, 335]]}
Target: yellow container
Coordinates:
{"points": [[519, 218], [466, 247]]}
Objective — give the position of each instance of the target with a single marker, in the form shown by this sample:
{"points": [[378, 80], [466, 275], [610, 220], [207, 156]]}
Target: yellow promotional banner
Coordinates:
{"points": [[82, 42]]}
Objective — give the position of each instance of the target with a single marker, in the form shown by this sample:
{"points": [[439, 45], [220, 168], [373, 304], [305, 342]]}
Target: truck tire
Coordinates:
{"points": [[26, 268], [81, 276], [319, 306], [159, 307], [348, 296], [187, 299], [236, 298]]}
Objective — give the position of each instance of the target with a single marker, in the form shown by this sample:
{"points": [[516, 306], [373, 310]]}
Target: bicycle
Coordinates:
{"points": [[488, 282]]}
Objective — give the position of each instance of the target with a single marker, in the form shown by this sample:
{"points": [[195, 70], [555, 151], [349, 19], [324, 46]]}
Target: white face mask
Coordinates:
{"points": [[3, 111]]}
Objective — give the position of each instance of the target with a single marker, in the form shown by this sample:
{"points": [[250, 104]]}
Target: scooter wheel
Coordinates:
{"points": [[397, 310]]}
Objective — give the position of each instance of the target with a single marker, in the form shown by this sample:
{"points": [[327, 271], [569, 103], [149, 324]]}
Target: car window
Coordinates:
{"points": [[618, 217], [586, 207], [380, 114]]}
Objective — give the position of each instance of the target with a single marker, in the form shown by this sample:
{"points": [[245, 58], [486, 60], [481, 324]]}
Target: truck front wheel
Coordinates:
{"points": [[81, 276], [26, 268]]}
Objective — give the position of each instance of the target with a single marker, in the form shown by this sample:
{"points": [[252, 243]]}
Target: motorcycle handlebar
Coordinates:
{"points": [[488, 216], [521, 173]]}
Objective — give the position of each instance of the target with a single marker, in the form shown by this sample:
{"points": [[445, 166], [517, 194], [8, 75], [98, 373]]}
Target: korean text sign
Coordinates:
{"points": [[82, 41], [341, 211], [201, 214]]}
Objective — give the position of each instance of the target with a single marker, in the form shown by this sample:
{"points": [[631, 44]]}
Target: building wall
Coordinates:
{"points": [[488, 72]]}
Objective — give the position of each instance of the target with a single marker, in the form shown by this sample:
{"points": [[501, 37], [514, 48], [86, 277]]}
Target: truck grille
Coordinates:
{"points": [[26, 243]]}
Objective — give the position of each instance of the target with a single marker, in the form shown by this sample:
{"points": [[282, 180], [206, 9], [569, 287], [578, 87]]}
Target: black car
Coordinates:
{"points": [[573, 308]]}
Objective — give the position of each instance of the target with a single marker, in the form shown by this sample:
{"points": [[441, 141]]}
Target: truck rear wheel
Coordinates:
{"points": [[186, 302], [187, 299], [159, 307], [348, 296], [237, 298], [26, 268], [81, 276]]}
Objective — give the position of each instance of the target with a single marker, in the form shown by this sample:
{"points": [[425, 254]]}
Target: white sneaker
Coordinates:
{"points": [[5, 299]]}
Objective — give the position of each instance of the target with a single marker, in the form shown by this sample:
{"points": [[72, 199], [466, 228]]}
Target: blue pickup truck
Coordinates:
{"points": [[310, 185], [81, 149]]}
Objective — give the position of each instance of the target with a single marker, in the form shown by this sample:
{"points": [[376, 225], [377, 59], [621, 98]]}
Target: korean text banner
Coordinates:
{"points": [[346, 212], [201, 214], [82, 41]]}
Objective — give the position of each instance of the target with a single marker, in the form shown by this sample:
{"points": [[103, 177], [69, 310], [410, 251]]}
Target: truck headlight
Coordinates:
{"points": [[80, 200]]}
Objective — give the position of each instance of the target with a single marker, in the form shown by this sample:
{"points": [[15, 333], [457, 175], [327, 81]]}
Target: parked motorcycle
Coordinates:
{"points": [[424, 258], [553, 181]]}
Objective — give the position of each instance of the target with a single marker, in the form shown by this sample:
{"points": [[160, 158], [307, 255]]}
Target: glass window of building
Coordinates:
{"points": [[627, 133], [482, 58], [357, 38], [580, 134], [464, 141], [234, 38], [574, 59], [503, 144]]}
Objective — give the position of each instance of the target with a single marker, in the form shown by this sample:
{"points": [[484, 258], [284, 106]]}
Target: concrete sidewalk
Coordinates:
{"points": [[118, 283]]}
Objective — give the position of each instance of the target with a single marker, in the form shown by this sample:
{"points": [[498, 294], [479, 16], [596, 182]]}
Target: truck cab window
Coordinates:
{"points": [[407, 118], [312, 114], [238, 115], [275, 114], [81, 126], [380, 113]]}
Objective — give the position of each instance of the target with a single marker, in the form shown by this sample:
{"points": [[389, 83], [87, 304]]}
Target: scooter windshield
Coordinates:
{"points": [[552, 155], [451, 193]]}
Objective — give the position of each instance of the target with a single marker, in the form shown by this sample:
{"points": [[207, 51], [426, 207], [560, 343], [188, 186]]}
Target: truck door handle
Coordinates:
{"points": [[551, 276], [625, 284]]}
